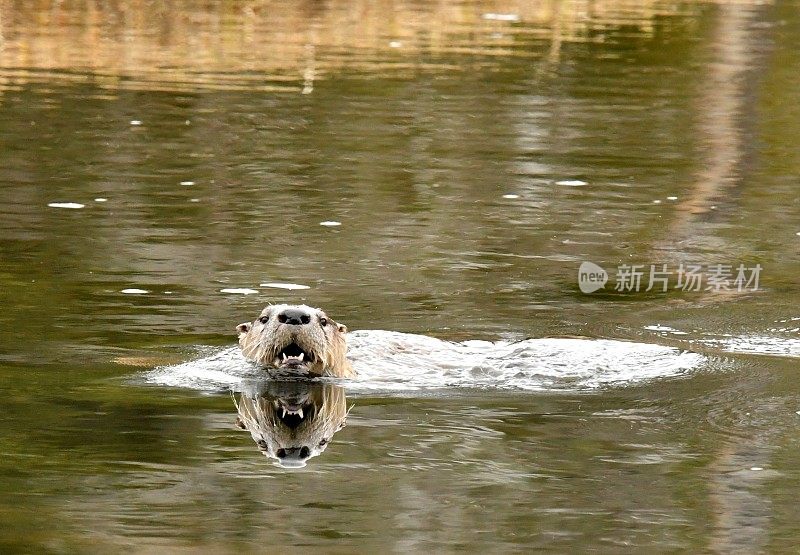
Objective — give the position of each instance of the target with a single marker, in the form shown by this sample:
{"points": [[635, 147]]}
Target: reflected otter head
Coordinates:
{"points": [[296, 338], [292, 422]]}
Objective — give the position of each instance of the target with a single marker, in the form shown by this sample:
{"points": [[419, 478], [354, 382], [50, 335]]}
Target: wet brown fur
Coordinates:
{"points": [[261, 341]]}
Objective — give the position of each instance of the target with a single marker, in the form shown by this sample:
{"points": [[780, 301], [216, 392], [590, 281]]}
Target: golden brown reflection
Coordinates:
{"points": [[292, 421], [285, 46], [725, 107]]}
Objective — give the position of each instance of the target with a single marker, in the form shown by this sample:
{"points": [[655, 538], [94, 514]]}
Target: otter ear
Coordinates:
{"points": [[243, 328], [342, 328]]}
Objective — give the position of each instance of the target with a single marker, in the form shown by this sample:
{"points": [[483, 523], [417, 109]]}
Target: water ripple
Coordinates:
{"points": [[397, 362]]}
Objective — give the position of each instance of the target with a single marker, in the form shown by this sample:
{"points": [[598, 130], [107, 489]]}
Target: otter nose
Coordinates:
{"points": [[294, 457], [298, 452], [294, 317]]}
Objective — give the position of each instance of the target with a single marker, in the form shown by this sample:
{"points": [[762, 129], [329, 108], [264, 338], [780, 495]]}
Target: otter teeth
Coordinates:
{"points": [[285, 411], [299, 357]]}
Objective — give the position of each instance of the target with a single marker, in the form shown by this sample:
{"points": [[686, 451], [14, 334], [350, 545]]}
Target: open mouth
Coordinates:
{"points": [[293, 356], [294, 414]]}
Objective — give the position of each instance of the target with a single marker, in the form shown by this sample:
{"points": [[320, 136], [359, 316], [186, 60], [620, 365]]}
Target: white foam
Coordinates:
{"points": [[397, 362], [72, 205], [571, 183], [756, 345], [330, 223], [222, 369], [659, 327], [133, 291], [238, 290], [533, 364], [291, 286]]}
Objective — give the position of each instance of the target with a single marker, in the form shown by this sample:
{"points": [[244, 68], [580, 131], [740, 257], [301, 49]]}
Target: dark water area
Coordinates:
{"points": [[439, 169]]}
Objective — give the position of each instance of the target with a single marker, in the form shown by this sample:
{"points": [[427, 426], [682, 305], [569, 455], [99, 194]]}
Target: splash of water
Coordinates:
{"points": [[395, 362]]}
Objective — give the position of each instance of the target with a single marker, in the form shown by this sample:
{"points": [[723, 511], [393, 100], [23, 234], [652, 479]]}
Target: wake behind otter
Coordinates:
{"points": [[387, 361]]}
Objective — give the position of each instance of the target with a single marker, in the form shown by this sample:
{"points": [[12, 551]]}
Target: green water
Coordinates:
{"points": [[411, 130]]}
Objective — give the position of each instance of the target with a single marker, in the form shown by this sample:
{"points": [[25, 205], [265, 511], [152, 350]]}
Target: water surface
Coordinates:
{"points": [[474, 154]]}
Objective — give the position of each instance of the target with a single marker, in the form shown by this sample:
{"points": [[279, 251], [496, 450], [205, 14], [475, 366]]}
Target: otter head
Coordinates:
{"points": [[298, 339], [294, 421]]}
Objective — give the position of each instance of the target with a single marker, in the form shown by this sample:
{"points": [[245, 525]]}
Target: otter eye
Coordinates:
{"points": [[323, 321], [263, 319]]}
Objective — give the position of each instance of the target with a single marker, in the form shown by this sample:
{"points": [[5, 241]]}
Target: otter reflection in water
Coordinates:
{"points": [[292, 421]]}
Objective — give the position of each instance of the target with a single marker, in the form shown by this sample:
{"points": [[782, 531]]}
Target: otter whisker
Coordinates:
{"points": [[293, 338]]}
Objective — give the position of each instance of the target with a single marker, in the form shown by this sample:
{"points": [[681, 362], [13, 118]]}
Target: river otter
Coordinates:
{"points": [[304, 341], [297, 339]]}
